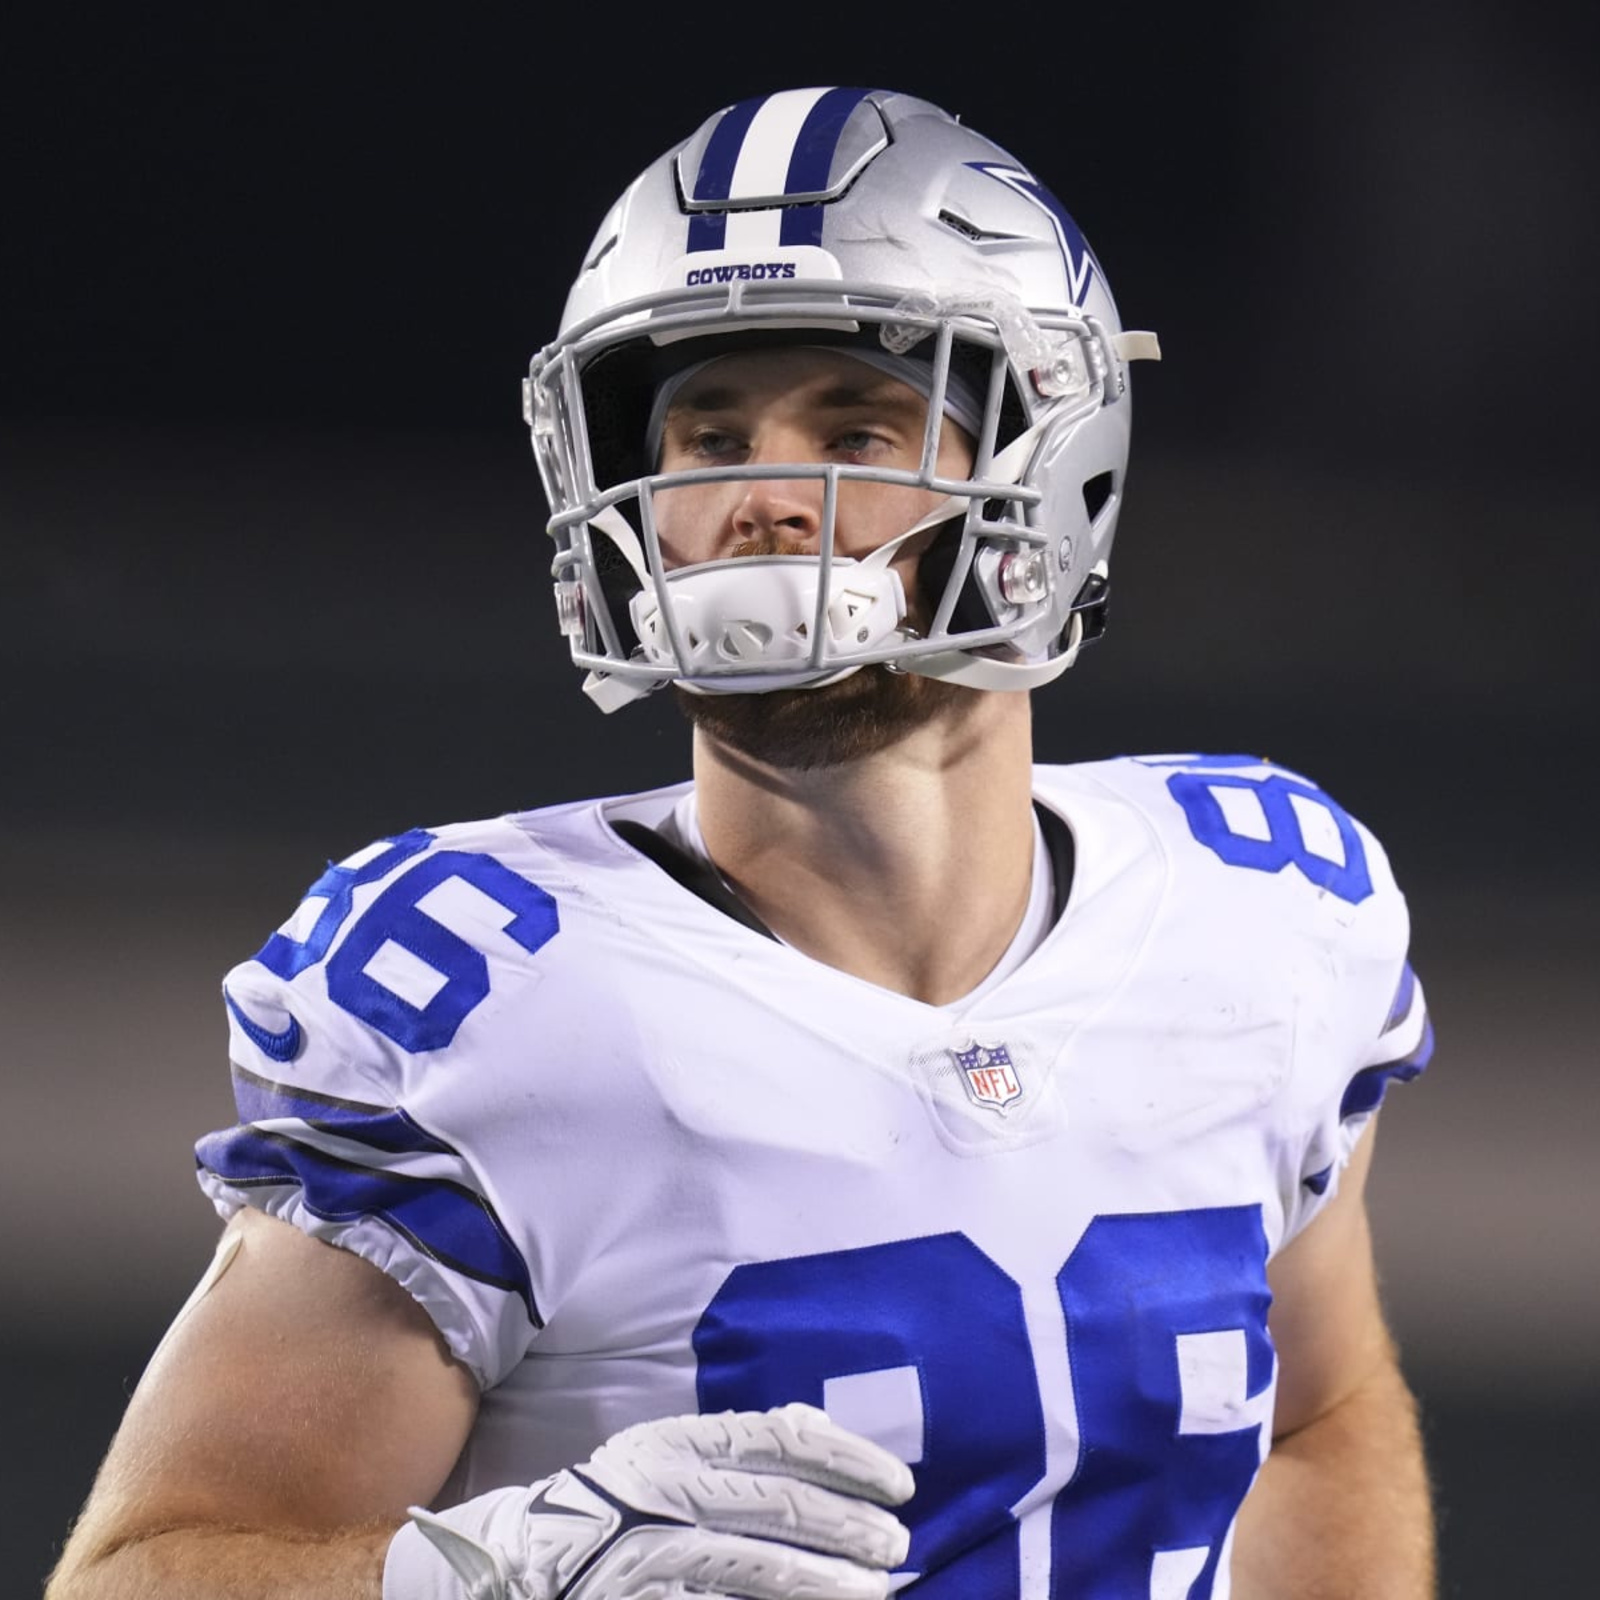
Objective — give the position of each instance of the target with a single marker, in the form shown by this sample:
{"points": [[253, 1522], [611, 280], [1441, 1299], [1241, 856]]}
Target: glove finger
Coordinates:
{"points": [[580, 1506], [816, 1448], [763, 1505], [697, 1561], [796, 1440]]}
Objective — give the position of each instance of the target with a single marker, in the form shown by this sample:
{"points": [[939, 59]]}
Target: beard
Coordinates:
{"points": [[802, 730]]}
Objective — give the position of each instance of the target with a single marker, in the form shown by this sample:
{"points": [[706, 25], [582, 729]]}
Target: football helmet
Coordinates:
{"points": [[876, 224]]}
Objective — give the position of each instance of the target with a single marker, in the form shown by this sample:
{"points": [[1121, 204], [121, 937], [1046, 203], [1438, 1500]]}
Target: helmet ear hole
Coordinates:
{"points": [[1096, 492]]}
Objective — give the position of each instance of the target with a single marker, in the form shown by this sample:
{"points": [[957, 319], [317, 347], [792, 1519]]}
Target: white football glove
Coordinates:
{"points": [[768, 1505]]}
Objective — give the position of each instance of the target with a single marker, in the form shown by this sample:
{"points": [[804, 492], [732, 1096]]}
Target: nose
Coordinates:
{"points": [[779, 516]]}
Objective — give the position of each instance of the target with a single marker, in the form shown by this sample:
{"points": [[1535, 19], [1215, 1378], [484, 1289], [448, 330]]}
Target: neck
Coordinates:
{"points": [[909, 867]]}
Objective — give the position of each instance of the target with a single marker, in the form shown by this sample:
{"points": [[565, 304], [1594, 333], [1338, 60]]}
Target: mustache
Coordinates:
{"points": [[772, 544]]}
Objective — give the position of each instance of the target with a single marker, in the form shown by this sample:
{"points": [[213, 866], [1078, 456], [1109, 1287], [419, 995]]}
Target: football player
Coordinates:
{"points": [[881, 1163]]}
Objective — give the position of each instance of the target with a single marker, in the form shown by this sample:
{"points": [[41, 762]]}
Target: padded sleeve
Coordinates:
{"points": [[356, 1104]]}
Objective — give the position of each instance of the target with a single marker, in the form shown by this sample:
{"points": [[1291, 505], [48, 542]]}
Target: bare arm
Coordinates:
{"points": [[295, 1409], [1342, 1506]]}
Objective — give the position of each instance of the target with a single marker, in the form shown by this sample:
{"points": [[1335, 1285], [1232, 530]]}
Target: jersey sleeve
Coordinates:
{"points": [[1363, 1029], [1303, 906], [362, 1042]]}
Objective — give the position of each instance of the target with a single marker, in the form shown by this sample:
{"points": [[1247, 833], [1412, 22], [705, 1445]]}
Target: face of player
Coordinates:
{"points": [[796, 406], [804, 406]]}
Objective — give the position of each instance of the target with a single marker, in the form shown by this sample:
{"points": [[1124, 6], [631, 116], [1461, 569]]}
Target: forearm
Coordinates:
{"points": [[224, 1564], [1342, 1508]]}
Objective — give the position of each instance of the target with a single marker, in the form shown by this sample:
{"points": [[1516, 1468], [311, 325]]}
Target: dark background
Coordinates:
{"points": [[273, 582]]}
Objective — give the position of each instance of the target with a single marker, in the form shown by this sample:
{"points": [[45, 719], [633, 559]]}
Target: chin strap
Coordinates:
{"points": [[987, 672], [619, 531], [608, 691]]}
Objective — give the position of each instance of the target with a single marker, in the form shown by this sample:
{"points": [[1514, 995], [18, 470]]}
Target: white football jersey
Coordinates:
{"points": [[636, 1159]]}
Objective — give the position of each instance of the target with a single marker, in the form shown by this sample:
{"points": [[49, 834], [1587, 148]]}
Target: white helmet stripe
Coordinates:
{"points": [[763, 168], [768, 149]]}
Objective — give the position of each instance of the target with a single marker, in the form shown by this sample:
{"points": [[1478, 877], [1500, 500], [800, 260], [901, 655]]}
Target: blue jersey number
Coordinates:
{"points": [[1152, 1478], [935, 1322], [1263, 823], [938, 1306], [395, 918], [288, 956]]}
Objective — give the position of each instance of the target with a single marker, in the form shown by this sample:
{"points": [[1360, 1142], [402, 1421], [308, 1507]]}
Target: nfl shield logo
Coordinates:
{"points": [[987, 1071]]}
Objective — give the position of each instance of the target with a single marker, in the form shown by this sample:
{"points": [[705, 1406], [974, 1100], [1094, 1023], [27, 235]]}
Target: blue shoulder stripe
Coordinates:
{"points": [[1367, 1089], [388, 1128], [448, 1222], [1400, 1009]]}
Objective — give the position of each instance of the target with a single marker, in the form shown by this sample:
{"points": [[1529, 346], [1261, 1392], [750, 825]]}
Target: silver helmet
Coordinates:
{"points": [[875, 223]]}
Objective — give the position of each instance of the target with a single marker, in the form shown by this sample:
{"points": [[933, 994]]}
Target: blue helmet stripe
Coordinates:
{"points": [[707, 229], [715, 177], [811, 164], [801, 225], [452, 1224]]}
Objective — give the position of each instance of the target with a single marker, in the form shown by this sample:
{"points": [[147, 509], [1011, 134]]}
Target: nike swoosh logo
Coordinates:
{"points": [[282, 1046], [542, 1502]]}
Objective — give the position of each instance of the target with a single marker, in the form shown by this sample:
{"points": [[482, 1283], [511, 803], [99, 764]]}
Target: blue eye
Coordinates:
{"points": [[715, 442], [857, 441]]}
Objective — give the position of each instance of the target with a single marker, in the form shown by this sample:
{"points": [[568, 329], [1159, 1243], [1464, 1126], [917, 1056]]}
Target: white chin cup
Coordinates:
{"points": [[752, 612]]}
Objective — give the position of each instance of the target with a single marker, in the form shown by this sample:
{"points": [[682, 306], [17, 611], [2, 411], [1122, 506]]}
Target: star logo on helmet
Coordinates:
{"points": [[1075, 251]]}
